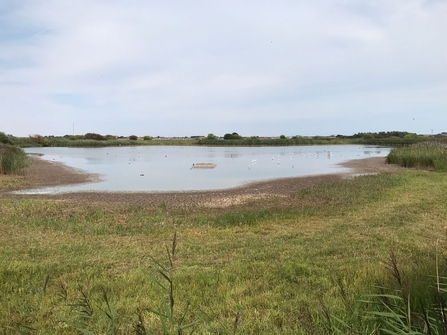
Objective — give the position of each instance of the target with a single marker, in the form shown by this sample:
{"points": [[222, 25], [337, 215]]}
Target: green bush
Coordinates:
{"points": [[40, 140], [4, 138], [147, 138], [76, 137], [211, 137], [233, 136], [133, 137], [12, 159], [93, 136]]}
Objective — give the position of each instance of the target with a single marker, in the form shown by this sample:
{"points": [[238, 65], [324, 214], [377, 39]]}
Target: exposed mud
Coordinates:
{"points": [[43, 173]]}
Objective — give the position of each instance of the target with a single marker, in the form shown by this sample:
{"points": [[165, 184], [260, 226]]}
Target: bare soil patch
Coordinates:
{"points": [[43, 173], [370, 166]]}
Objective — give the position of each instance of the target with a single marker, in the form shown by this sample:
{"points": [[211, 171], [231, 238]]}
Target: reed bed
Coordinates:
{"points": [[12, 159], [393, 141], [86, 143], [426, 154], [247, 142]]}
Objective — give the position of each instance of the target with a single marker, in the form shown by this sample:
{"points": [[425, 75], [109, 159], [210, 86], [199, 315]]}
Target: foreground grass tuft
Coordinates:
{"points": [[12, 159]]}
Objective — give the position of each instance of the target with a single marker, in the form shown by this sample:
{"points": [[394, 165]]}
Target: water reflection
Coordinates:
{"points": [[160, 168]]}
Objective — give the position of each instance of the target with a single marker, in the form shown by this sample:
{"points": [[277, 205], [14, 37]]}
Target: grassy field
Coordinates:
{"points": [[297, 265]]}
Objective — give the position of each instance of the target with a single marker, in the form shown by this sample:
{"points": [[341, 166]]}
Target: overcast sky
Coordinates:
{"points": [[182, 68]]}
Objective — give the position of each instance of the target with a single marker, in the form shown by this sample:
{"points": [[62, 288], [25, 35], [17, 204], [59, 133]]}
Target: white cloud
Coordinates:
{"points": [[190, 67]]}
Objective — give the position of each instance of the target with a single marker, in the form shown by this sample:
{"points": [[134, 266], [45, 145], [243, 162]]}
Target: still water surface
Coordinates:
{"points": [[169, 168]]}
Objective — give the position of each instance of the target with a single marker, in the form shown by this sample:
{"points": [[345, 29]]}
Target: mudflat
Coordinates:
{"points": [[43, 173]]}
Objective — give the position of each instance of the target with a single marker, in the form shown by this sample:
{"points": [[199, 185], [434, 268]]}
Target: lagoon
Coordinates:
{"points": [[170, 168]]}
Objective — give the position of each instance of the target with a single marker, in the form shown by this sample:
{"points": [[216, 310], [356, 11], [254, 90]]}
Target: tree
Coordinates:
{"points": [[94, 136], [76, 137], [133, 137], [211, 137], [233, 136], [283, 137], [410, 136], [147, 138], [39, 139]]}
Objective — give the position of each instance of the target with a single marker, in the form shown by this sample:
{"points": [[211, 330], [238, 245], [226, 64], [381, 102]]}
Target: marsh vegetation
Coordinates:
{"points": [[391, 138], [12, 159], [353, 256], [325, 258], [426, 154]]}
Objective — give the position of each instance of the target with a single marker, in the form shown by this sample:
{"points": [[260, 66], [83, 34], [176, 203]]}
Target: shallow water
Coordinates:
{"points": [[169, 168]]}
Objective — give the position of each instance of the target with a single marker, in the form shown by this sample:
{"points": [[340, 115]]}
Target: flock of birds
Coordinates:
{"points": [[316, 155], [146, 165], [275, 159]]}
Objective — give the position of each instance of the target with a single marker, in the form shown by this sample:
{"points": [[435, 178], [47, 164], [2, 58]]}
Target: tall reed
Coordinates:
{"points": [[12, 159], [425, 154]]}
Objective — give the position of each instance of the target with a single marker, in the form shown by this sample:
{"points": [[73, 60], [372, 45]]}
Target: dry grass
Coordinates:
{"points": [[12, 182], [222, 202]]}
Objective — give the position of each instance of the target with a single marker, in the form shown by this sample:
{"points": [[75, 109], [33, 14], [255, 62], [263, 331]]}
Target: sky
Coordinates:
{"points": [[187, 68]]}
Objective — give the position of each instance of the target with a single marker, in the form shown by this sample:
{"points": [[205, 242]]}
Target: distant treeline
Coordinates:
{"points": [[391, 138], [90, 140], [256, 141]]}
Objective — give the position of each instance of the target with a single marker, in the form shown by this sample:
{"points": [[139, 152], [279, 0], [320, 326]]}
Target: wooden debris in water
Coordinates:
{"points": [[204, 166]]}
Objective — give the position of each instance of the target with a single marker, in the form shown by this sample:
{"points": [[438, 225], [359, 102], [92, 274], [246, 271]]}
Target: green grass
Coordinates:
{"points": [[425, 154], [297, 265], [12, 159], [12, 182]]}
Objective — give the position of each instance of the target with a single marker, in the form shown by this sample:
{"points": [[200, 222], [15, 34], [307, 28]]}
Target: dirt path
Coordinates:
{"points": [[43, 173]]}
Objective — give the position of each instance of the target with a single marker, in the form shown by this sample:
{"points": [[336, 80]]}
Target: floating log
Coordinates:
{"points": [[204, 166]]}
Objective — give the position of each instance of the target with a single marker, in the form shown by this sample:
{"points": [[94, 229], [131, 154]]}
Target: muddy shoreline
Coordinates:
{"points": [[43, 173]]}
